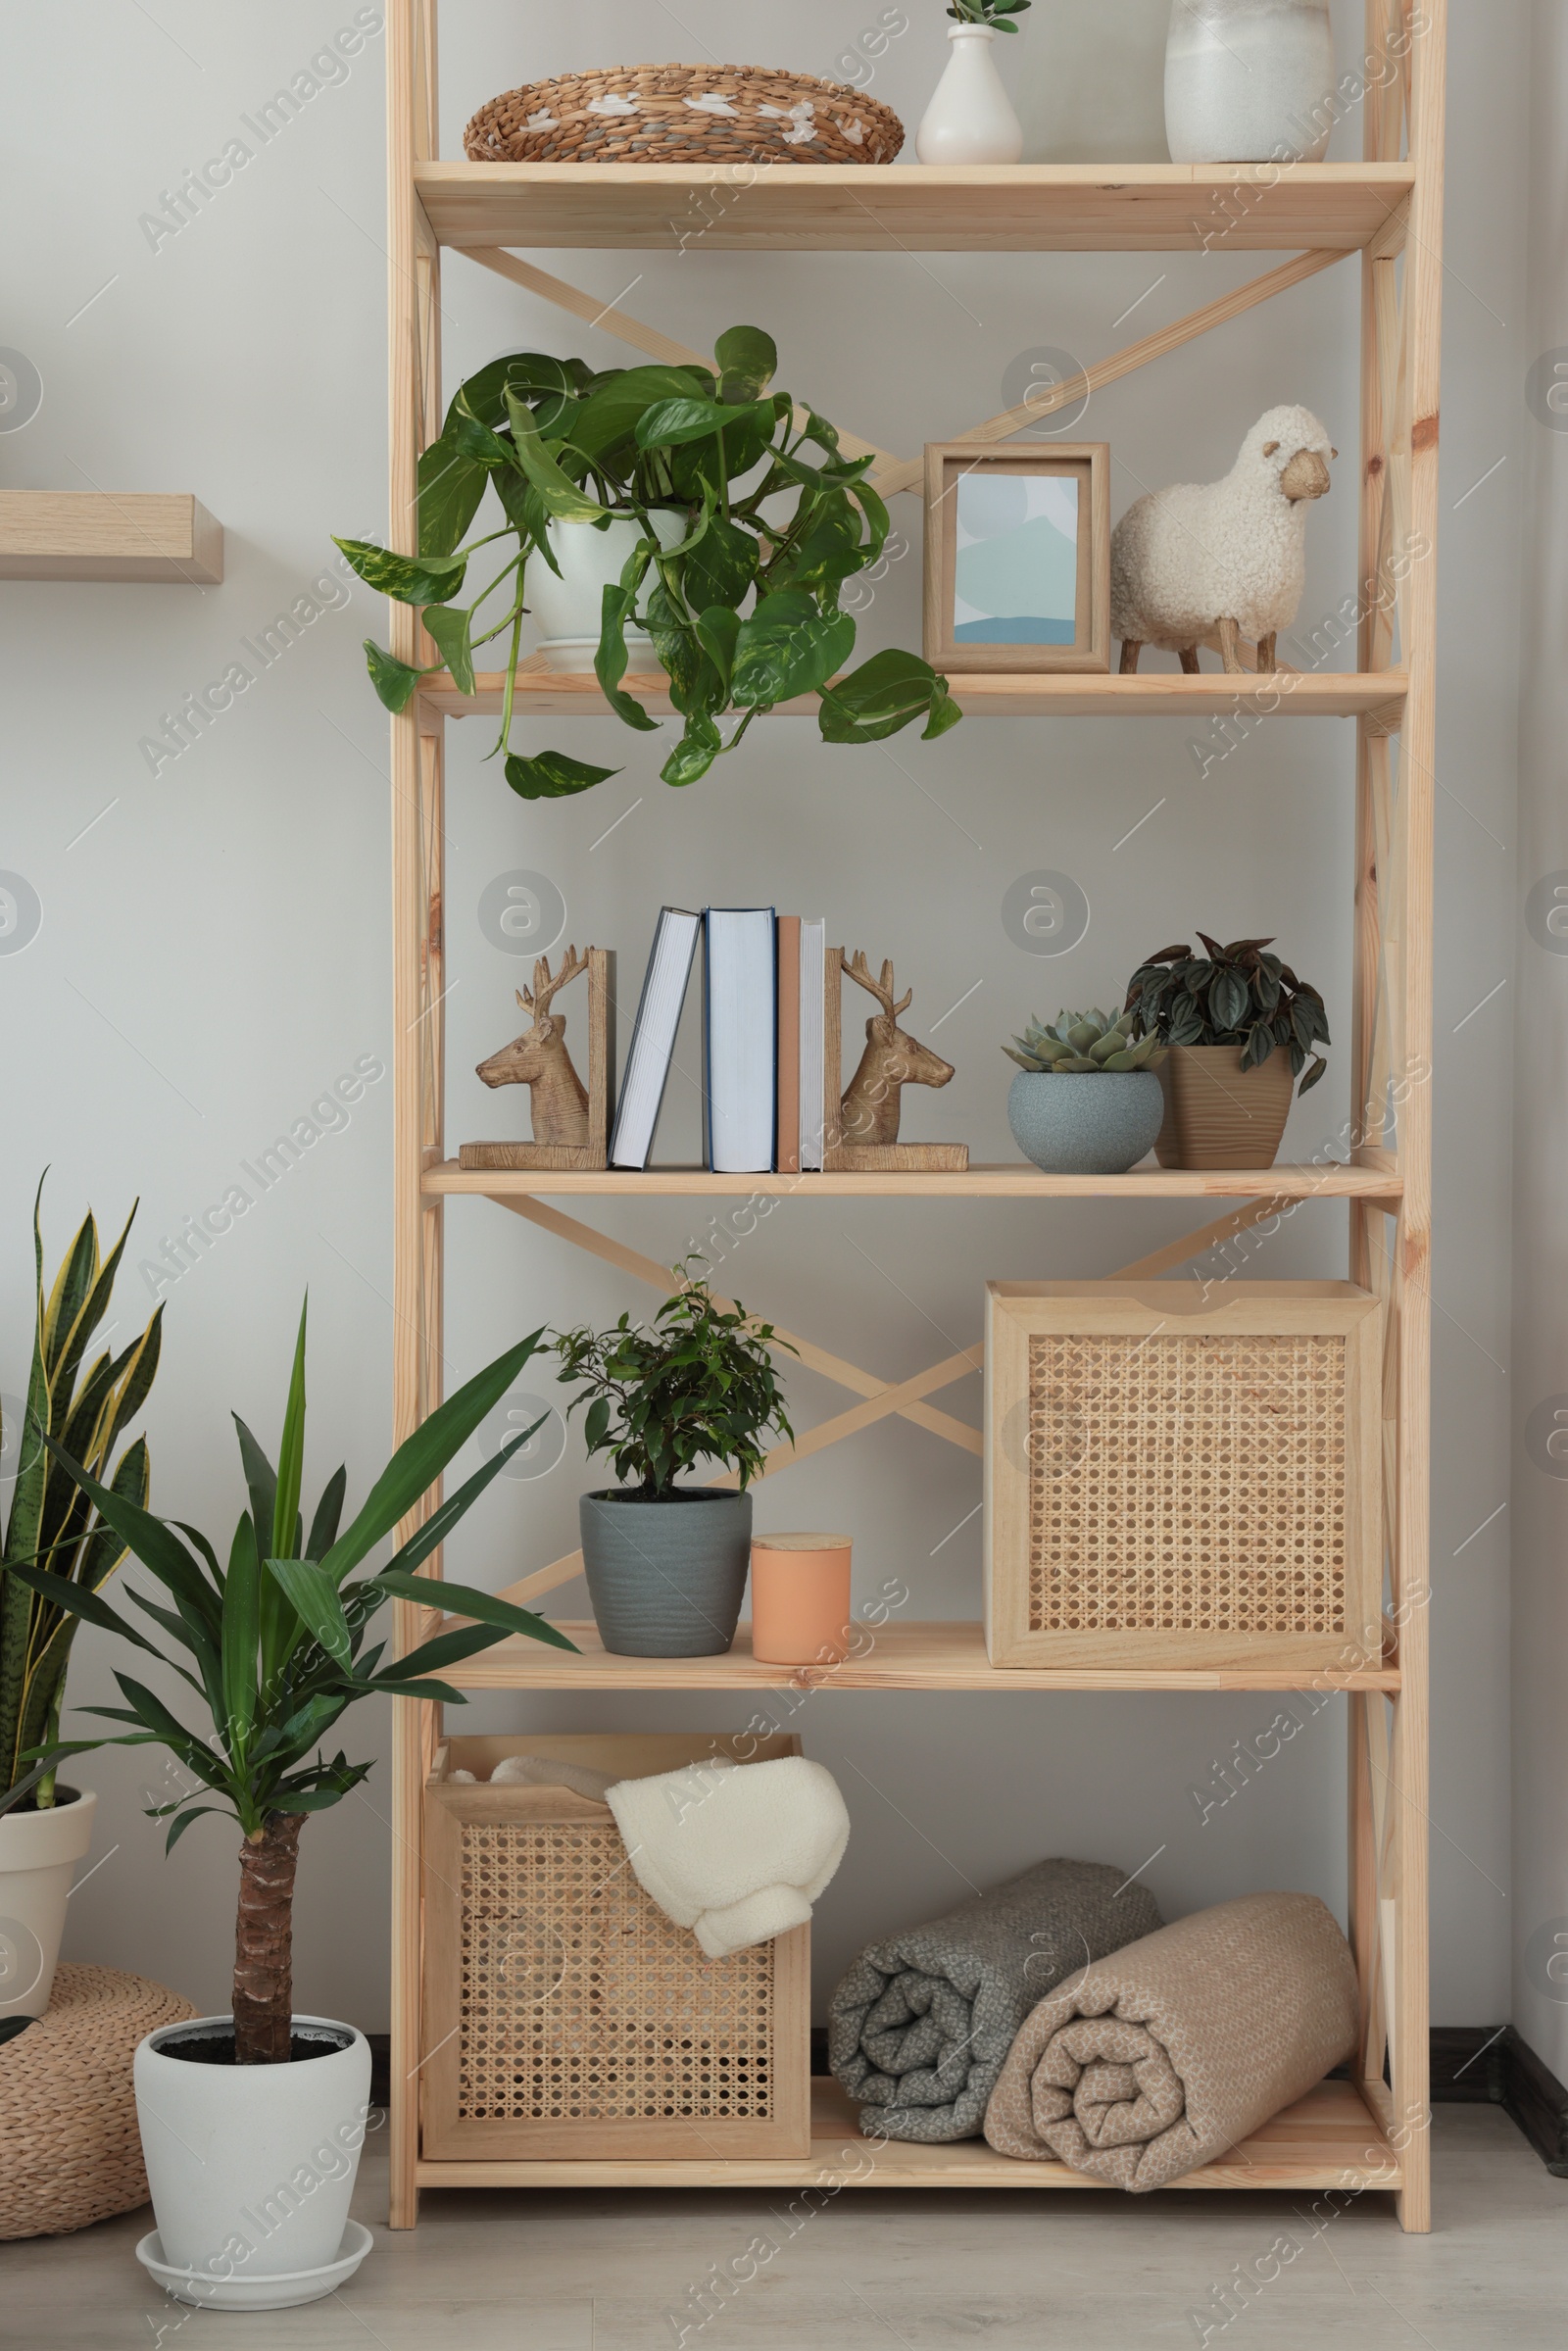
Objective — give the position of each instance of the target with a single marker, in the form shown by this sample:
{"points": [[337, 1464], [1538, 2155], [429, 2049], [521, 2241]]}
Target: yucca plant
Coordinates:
{"points": [[274, 1648], [53, 1519], [1084, 1044]]}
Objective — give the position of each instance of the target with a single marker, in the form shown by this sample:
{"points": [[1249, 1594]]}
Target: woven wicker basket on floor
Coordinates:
{"points": [[563, 2014], [684, 115], [67, 2110]]}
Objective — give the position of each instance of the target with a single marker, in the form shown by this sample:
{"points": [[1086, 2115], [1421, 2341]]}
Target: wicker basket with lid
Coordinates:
{"points": [[684, 115]]}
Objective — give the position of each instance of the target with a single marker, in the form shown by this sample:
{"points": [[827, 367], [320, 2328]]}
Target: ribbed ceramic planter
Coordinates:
{"points": [[39, 1856], [1218, 1115], [1073, 1123], [666, 1579], [252, 2167]]}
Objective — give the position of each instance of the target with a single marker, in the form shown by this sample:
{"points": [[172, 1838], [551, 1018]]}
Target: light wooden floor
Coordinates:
{"points": [[932, 2271]]}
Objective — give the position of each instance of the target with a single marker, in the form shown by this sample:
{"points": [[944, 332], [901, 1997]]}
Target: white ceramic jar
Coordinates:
{"points": [[1246, 82], [970, 118]]}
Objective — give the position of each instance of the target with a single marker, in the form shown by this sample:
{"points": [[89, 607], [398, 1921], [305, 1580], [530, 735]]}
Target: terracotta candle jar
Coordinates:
{"points": [[800, 1599]]}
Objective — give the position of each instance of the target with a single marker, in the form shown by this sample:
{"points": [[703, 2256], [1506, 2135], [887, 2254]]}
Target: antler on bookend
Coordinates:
{"points": [[539, 1059], [869, 1111]]}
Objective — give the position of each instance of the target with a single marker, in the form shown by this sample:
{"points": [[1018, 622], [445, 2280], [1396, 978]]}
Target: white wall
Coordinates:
{"points": [[1541, 1345], [215, 949]]}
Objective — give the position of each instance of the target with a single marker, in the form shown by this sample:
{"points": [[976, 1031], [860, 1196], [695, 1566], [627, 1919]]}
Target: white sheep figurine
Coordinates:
{"points": [[1228, 555]]}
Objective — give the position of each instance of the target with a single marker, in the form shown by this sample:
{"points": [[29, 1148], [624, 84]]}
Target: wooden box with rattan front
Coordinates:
{"points": [[564, 2015], [1183, 1475]]}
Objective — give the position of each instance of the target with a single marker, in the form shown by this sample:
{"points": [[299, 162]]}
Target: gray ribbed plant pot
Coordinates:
{"points": [[1073, 1123], [666, 1579]]}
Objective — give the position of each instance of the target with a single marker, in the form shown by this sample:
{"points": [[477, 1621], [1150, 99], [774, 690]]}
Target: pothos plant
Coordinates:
{"points": [[743, 610], [1236, 994]]}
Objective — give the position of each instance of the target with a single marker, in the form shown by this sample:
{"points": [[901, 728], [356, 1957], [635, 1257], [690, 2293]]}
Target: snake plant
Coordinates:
{"points": [[52, 1519]]}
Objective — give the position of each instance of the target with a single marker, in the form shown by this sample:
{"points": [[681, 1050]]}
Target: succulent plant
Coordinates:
{"points": [[1084, 1044], [1236, 994]]}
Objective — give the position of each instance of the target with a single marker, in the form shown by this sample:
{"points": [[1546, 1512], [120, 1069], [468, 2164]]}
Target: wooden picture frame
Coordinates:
{"points": [[952, 464], [1183, 1480]]}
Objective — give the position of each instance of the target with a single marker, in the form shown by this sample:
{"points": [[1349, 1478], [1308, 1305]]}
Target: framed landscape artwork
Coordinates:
{"points": [[1017, 557]]}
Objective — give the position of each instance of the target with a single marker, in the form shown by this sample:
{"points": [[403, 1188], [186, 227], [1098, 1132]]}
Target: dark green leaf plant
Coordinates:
{"points": [[1236, 994], [744, 608]]}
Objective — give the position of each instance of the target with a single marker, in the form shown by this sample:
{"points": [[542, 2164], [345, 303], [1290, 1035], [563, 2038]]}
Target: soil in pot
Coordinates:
{"points": [[217, 2048], [1071, 1123], [666, 1574], [1219, 1115]]}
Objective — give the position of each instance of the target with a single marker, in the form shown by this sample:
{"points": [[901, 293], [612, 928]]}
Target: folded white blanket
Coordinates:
{"points": [[540, 1771], [738, 1852]]}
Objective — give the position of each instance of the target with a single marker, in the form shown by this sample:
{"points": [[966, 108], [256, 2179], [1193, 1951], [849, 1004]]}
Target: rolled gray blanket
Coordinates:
{"points": [[1166, 2056], [919, 2027]]}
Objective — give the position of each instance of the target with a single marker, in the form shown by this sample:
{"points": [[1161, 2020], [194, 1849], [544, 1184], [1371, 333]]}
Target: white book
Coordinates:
{"points": [[653, 1037], [740, 1040], [814, 1046]]}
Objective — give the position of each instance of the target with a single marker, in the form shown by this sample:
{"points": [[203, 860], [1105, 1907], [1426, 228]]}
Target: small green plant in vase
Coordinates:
{"points": [[996, 15], [1238, 1028], [1071, 1127], [666, 1562], [727, 521]]}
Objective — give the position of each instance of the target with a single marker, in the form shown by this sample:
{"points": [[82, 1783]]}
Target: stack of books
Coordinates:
{"points": [[764, 1045]]}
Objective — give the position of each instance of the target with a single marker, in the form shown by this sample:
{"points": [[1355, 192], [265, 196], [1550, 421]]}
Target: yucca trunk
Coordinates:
{"points": [[263, 1934]]}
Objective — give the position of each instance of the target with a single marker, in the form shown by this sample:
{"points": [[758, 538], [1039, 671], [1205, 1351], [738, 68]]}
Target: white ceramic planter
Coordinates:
{"points": [[39, 1856], [568, 611], [970, 118], [252, 2167], [1245, 81]]}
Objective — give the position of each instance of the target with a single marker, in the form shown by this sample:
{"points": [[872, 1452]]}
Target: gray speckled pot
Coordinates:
{"points": [[666, 1579], [1073, 1123]]}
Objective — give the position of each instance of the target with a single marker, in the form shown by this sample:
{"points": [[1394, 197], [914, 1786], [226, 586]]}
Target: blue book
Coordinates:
{"points": [[740, 1039]]}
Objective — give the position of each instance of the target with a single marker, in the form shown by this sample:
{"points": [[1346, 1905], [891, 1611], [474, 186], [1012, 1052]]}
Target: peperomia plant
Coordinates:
{"points": [[993, 13], [1238, 994], [743, 610]]}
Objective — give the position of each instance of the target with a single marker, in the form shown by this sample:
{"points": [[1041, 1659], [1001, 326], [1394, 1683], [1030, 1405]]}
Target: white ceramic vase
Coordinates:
{"points": [[1246, 82], [252, 2167], [567, 611], [39, 1853], [970, 118]]}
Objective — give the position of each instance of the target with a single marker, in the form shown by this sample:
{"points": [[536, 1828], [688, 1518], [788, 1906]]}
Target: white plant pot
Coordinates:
{"points": [[1246, 82], [39, 1853], [970, 118], [252, 2167], [568, 611]]}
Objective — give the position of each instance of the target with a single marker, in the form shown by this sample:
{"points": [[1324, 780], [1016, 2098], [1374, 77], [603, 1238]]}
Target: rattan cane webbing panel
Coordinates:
{"points": [[581, 2003], [1186, 1483]]}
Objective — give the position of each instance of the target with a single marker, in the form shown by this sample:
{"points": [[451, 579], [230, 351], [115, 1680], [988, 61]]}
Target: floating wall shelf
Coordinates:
{"points": [[155, 537]]}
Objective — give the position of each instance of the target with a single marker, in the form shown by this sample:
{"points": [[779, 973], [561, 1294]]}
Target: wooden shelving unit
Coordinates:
{"points": [[165, 538], [1387, 211]]}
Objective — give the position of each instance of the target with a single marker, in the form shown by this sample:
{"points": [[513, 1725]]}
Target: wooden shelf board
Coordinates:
{"points": [[913, 207], [1379, 696], [156, 537], [898, 1656], [1012, 1180], [1328, 2139]]}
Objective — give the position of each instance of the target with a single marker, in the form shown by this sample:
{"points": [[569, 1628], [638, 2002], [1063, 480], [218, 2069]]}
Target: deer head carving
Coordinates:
{"points": [[539, 1059], [870, 1111]]}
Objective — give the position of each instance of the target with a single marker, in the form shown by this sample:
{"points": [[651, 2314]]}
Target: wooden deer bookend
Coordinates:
{"points": [[570, 1120], [868, 1117]]}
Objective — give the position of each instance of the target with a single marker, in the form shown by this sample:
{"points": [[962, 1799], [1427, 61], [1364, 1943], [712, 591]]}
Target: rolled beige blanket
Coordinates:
{"points": [[1162, 2057]]}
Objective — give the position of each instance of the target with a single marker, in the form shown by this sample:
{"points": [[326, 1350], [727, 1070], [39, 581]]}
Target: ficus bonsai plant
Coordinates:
{"points": [[1239, 995], [743, 609], [666, 1562], [272, 1646], [86, 1408], [697, 1383]]}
